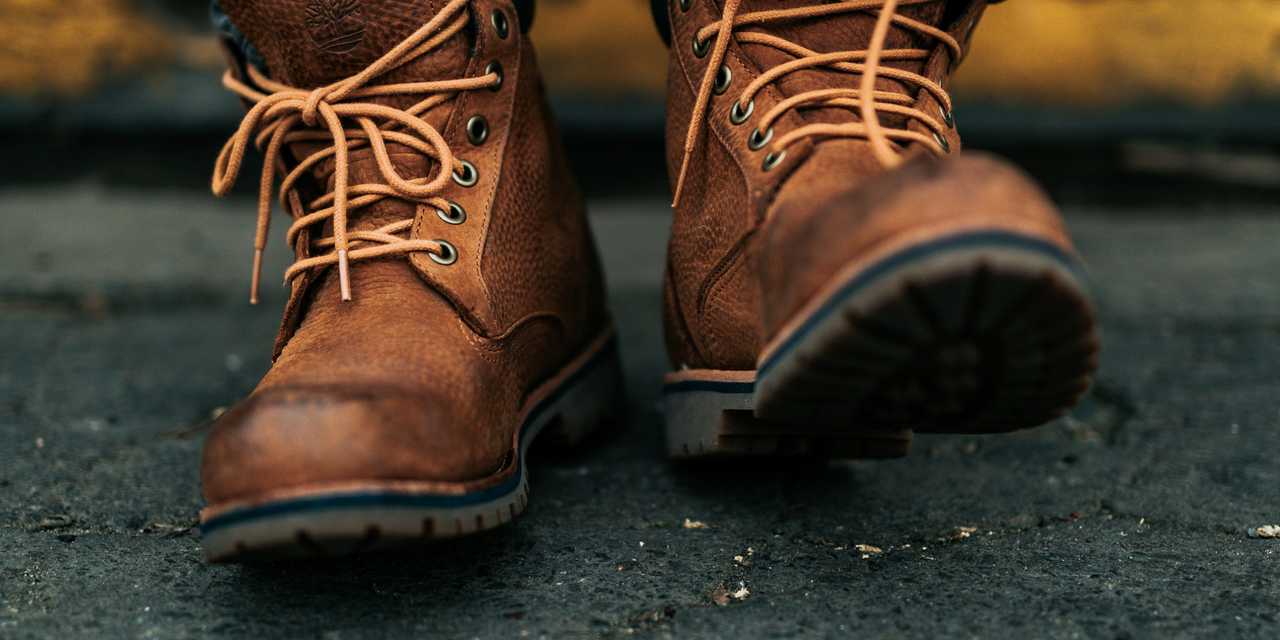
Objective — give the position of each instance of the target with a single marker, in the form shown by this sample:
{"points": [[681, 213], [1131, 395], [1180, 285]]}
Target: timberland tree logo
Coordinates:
{"points": [[337, 26]]}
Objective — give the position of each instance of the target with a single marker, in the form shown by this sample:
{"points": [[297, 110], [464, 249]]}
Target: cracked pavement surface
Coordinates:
{"points": [[124, 328]]}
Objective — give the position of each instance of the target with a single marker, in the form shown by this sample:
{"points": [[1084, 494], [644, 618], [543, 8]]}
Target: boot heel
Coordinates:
{"points": [[710, 414]]}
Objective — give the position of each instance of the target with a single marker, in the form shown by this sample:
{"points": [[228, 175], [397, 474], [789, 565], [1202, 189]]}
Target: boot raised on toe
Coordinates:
{"points": [[446, 303], [840, 275]]}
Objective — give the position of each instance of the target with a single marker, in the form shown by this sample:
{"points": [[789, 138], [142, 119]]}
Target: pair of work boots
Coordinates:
{"points": [[839, 275]]}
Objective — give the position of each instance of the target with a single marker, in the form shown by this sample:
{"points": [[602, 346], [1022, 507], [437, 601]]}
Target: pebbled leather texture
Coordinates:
{"points": [[749, 247], [423, 375]]}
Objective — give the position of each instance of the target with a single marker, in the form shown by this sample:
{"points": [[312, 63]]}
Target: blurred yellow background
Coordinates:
{"points": [[1084, 52]]}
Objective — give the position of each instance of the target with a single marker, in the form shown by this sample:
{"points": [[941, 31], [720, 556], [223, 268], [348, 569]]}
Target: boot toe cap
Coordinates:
{"points": [[817, 233], [291, 437]]}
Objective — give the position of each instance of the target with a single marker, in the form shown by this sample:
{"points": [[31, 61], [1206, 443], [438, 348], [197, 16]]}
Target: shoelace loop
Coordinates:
{"points": [[868, 101], [282, 115]]}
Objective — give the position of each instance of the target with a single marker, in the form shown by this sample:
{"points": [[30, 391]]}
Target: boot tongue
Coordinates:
{"points": [[311, 43], [840, 32]]}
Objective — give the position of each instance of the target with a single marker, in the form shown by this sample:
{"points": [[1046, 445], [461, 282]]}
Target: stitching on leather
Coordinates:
{"points": [[496, 153], [686, 336], [716, 284], [723, 266]]}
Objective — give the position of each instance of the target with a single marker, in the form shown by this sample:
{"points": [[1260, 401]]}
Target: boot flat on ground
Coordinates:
{"points": [[446, 303]]}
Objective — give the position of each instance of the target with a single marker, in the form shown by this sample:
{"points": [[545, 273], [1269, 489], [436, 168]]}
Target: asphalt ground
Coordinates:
{"points": [[123, 328]]}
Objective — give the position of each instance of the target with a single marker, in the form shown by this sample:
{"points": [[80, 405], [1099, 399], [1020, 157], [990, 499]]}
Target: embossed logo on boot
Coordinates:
{"points": [[337, 26]]}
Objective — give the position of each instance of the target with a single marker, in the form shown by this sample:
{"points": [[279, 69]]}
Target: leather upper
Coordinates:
{"points": [[750, 245], [423, 375]]}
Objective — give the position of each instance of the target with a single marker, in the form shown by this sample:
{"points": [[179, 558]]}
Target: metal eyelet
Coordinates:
{"points": [[700, 47], [685, 4], [469, 175], [724, 76], [949, 118], [772, 159], [500, 24], [494, 67], [736, 113], [942, 142], [477, 130], [455, 214], [448, 255], [757, 141]]}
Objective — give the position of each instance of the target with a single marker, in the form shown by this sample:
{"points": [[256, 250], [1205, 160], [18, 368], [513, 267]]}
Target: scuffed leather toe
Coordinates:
{"points": [[288, 437]]}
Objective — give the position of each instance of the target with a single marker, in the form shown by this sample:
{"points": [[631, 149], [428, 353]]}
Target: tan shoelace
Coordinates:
{"points": [[287, 115], [866, 99]]}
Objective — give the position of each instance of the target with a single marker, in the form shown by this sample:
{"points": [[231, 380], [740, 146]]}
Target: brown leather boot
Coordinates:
{"points": [[447, 304], [839, 274]]}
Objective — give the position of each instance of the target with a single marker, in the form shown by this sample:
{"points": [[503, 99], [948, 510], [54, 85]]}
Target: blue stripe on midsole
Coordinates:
{"points": [[713, 386], [1002, 239], [391, 499]]}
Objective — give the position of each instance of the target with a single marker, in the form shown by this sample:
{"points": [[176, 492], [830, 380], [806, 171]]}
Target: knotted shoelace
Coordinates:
{"points": [[868, 101], [282, 115]]}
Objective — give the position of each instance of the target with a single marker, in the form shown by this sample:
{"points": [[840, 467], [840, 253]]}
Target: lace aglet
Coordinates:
{"points": [[675, 198], [344, 276], [257, 276]]}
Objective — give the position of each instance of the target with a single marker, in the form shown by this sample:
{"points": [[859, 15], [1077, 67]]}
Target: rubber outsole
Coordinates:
{"points": [[981, 332], [356, 517]]}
